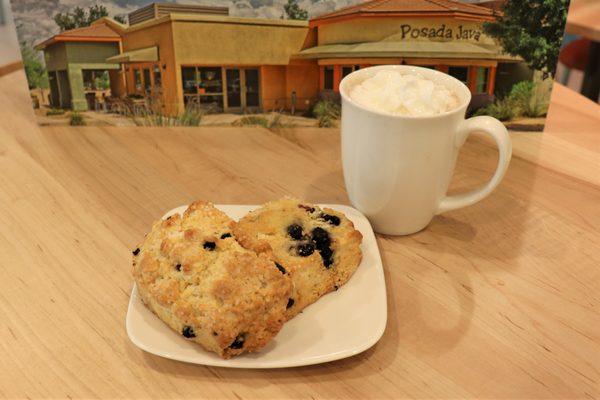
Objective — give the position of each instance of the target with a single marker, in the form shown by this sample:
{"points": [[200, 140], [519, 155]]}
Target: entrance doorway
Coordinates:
{"points": [[243, 89]]}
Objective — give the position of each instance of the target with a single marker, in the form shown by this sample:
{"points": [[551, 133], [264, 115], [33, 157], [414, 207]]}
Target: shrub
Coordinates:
{"points": [[327, 112], [152, 114], [526, 98], [502, 109], [272, 122], [529, 99], [55, 111], [76, 119], [252, 120], [190, 117]]}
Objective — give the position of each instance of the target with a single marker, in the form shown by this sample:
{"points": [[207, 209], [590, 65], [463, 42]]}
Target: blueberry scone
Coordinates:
{"points": [[195, 277], [318, 248]]}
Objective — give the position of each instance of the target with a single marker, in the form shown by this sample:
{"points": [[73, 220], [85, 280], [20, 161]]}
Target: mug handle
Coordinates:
{"points": [[498, 132]]}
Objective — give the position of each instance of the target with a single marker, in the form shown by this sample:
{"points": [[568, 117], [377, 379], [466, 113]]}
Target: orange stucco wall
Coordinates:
{"points": [[160, 35], [278, 83], [304, 80], [273, 87]]}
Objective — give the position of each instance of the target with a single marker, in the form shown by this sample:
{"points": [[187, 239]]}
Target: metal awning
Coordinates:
{"points": [[148, 54], [408, 49]]}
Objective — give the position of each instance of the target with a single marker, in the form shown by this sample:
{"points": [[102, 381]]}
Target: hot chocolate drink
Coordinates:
{"points": [[394, 92]]}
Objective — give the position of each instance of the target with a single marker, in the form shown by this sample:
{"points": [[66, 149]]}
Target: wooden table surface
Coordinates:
{"points": [[498, 300], [584, 19]]}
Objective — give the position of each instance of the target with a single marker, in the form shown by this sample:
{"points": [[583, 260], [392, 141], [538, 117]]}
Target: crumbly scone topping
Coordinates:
{"points": [[194, 275]]}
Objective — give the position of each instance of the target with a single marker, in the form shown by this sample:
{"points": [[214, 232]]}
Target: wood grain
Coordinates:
{"points": [[498, 300], [10, 67], [583, 19]]}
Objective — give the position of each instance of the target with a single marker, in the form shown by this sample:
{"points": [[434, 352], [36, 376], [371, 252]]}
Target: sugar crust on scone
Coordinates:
{"points": [[193, 274]]}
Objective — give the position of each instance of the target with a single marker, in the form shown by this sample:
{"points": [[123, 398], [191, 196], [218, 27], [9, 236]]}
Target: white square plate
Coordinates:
{"points": [[339, 325]]}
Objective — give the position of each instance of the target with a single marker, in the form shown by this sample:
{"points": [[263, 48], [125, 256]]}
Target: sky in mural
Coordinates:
{"points": [[34, 22]]}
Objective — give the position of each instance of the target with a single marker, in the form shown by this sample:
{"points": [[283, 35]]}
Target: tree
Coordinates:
{"points": [[293, 10], [79, 17], [533, 30], [120, 19], [37, 76]]}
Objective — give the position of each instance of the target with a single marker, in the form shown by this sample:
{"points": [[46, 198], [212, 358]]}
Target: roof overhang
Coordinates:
{"points": [[442, 14], [148, 54], [114, 25], [78, 39], [416, 49]]}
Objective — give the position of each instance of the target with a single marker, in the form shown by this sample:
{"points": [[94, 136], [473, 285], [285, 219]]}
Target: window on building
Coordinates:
{"points": [[188, 76], [157, 76], [95, 79], [137, 79], [328, 78], [88, 79], [210, 80], [203, 86], [147, 81], [482, 79], [346, 70], [210, 87], [460, 73]]}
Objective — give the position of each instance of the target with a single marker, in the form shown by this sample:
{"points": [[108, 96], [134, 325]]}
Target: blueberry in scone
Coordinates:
{"points": [[192, 273], [318, 248]]}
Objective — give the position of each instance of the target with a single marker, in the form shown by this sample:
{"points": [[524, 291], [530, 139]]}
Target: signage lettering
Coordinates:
{"points": [[442, 32]]}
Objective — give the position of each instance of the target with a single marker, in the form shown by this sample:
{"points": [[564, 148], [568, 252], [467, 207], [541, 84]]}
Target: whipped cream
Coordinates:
{"points": [[398, 93]]}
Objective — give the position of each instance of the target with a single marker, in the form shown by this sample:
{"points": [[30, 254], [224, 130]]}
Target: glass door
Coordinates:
{"points": [[252, 88], [242, 89], [234, 89]]}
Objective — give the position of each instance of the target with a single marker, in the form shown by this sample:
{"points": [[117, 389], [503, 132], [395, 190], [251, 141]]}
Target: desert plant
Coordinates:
{"points": [[538, 104], [76, 119], [277, 122], [191, 116], [55, 111], [152, 114], [252, 120], [273, 121], [529, 99], [502, 109], [327, 112], [525, 98]]}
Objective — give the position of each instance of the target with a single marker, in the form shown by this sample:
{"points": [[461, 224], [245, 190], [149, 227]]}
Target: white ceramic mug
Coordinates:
{"points": [[397, 169]]}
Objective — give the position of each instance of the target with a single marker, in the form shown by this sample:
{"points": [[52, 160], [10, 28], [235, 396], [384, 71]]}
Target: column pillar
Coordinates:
{"points": [[337, 77], [491, 83], [472, 79]]}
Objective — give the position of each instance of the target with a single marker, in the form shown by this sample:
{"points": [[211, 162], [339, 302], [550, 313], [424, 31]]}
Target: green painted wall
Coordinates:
{"points": [[74, 58], [91, 53], [56, 57]]}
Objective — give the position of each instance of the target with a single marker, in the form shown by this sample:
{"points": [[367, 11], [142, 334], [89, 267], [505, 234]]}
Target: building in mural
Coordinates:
{"points": [[186, 55], [74, 58]]}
